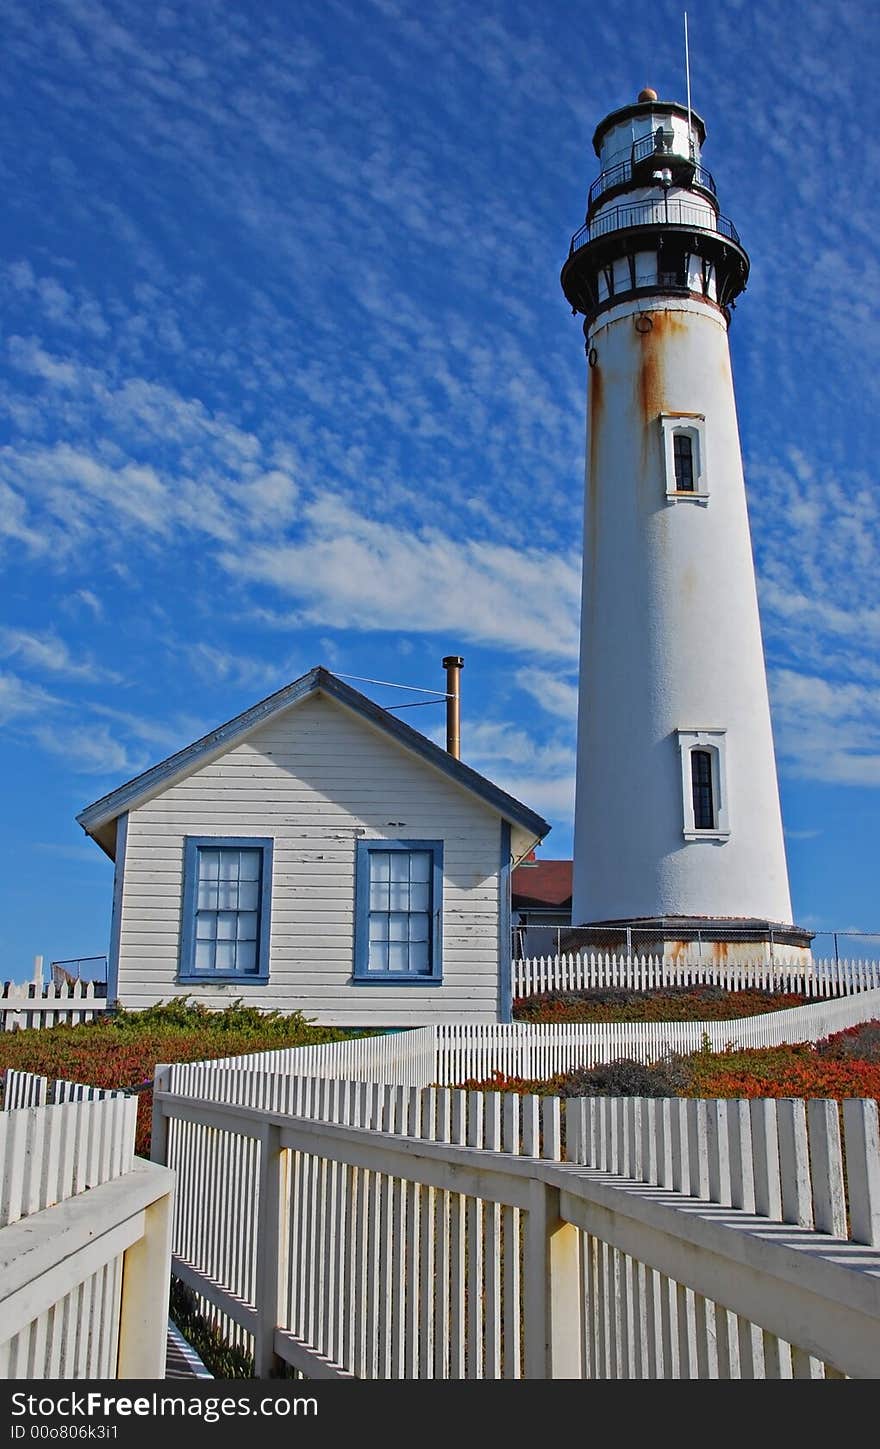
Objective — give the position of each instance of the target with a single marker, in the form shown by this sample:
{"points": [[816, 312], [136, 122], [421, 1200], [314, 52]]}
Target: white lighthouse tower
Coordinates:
{"points": [[678, 830]]}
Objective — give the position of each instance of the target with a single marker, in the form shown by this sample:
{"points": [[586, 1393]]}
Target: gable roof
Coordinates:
{"points": [[542, 884], [318, 681]]}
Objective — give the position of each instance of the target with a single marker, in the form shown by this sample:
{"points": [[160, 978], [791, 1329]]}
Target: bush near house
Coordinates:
{"points": [[846, 1064], [672, 1003], [122, 1050]]}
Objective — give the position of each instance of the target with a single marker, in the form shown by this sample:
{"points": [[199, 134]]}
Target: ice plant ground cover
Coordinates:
{"points": [[846, 1064], [122, 1050], [670, 1003]]}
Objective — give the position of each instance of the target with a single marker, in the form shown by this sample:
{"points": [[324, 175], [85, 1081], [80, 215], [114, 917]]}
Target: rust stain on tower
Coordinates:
{"points": [[650, 374]]}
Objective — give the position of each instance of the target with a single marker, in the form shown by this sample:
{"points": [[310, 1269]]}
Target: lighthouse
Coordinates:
{"points": [[678, 828]]}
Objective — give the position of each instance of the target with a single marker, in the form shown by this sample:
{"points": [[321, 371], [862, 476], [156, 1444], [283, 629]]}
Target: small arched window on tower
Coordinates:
{"points": [[683, 444], [683, 458], [705, 810], [703, 795]]}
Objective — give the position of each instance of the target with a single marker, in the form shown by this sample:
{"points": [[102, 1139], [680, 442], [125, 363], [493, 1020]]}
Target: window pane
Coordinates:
{"points": [[225, 958], [250, 865], [226, 925], [209, 864], [204, 957], [378, 956], [397, 927], [420, 865], [227, 895], [229, 865], [398, 956], [418, 927], [418, 957], [207, 895], [399, 865], [206, 925], [380, 865], [419, 897], [247, 956], [378, 926], [379, 896], [248, 895], [399, 895], [247, 926]]}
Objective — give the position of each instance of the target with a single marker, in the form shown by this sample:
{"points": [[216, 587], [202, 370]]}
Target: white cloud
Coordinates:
{"points": [[351, 572], [90, 749], [219, 666], [22, 700], [166, 734], [49, 654], [827, 730], [555, 693], [88, 600]]}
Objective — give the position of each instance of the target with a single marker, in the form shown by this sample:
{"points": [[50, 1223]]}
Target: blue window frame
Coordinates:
{"points": [[399, 912], [227, 893]]}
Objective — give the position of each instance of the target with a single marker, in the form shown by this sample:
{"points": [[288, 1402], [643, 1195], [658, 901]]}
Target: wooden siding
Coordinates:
{"points": [[317, 779]]}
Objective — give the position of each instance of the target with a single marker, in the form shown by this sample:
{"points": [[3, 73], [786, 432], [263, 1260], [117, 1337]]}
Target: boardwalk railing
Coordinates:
{"points": [[596, 970], [33, 1005], [392, 1232], [84, 1241]]}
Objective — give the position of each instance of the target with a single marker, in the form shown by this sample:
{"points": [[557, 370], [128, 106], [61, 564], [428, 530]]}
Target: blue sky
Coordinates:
{"points": [[288, 379]]}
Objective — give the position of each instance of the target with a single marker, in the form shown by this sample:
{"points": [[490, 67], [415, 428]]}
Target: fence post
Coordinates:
{"points": [[159, 1123], [38, 973], [271, 1283], [551, 1290], [146, 1277]]}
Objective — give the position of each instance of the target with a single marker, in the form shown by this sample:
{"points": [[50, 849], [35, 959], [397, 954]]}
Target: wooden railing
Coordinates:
{"points": [[84, 1242], [382, 1232]]}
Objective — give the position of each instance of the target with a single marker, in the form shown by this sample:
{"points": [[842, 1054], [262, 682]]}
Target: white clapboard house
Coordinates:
{"points": [[315, 853]]}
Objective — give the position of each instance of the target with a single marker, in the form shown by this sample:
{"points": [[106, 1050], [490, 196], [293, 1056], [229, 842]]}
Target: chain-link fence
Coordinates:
{"points": [[532, 939]]}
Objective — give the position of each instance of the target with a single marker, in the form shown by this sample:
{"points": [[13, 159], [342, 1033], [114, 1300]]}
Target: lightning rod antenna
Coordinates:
{"points": [[687, 71]]}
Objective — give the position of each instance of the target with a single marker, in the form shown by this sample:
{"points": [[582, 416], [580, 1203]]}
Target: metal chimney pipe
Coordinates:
{"points": [[453, 664]]}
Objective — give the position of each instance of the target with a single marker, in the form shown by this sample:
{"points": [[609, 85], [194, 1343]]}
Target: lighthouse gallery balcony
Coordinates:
{"points": [[657, 212]]}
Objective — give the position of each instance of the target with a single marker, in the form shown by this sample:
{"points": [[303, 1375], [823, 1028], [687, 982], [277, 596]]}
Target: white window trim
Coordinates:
{"points": [[715, 741], [694, 425]]}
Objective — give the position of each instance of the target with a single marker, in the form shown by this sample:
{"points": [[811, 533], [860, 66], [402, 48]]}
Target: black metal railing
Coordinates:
{"points": [[659, 143], [661, 212], [621, 174]]}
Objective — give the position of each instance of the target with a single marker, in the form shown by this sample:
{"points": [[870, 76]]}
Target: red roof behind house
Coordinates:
{"points": [[539, 883]]}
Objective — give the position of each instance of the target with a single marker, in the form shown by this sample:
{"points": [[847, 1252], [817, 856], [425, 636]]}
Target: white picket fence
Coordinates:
{"points": [[474, 1052], [403, 1058], [594, 971], [27, 1089], [84, 1238], [373, 1231], [32, 1005], [451, 1054]]}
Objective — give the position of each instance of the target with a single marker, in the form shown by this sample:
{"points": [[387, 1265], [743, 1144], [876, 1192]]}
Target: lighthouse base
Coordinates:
{"points": [[716, 941]]}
